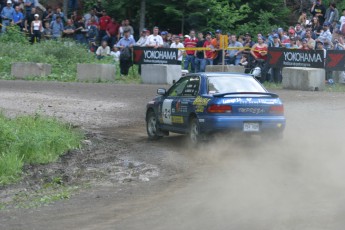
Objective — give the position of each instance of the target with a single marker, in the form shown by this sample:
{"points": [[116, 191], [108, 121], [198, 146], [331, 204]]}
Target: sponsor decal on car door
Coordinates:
{"points": [[166, 111]]}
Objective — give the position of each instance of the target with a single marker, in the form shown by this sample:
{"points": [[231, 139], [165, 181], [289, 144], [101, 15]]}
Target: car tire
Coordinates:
{"points": [[194, 132], [152, 126]]}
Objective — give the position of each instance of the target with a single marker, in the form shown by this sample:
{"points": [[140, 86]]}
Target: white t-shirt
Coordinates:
{"points": [[153, 40], [180, 52], [103, 51], [116, 55], [342, 21]]}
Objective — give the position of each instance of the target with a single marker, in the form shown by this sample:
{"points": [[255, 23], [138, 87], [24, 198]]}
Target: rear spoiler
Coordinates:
{"points": [[273, 95]]}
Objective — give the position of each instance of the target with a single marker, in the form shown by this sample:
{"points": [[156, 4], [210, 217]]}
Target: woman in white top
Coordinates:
{"points": [[36, 28]]}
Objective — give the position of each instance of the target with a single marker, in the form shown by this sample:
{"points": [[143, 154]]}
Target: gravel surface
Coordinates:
{"points": [[127, 182]]}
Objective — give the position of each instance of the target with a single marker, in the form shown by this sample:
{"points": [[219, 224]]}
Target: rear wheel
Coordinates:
{"points": [[194, 131], [152, 126]]}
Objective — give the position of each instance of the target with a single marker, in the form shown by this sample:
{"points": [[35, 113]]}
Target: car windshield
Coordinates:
{"points": [[230, 84]]}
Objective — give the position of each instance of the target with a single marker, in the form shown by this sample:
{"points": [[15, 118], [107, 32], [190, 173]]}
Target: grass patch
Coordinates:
{"points": [[32, 140], [63, 55]]}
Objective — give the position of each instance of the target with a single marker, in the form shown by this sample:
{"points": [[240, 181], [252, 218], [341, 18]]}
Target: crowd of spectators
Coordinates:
{"points": [[320, 27]]}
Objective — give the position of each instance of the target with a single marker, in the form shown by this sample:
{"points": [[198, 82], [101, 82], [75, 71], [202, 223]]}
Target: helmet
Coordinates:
{"points": [[256, 72]]}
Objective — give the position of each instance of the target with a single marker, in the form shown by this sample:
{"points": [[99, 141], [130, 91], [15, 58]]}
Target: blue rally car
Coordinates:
{"points": [[201, 104]]}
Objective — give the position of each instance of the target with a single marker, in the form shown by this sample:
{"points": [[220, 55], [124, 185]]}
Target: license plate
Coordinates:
{"points": [[251, 127]]}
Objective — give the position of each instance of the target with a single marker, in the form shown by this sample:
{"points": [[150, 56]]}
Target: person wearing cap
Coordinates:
{"points": [[125, 44], [7, 15], [36, 28], [177, 44], [200, 62], [326, 36], [164, 35], [154, 40], [276, 41], [18, 17], [142, 39], [190, 42], [218, 44], [209, 54]]}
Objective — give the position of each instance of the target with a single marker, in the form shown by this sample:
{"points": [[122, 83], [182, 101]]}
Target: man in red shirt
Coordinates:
{"points": [[112, 30], [103, 23], [190, 43], [209, 55]]}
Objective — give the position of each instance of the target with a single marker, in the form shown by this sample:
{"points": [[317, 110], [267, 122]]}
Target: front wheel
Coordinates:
{"points": [[152, 126], [194, 131]]}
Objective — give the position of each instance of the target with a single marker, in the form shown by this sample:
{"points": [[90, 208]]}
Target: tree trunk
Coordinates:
{"points": [[142, 15]]}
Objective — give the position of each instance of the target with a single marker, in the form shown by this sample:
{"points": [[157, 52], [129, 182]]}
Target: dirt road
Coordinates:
{"points": [[297, 183]]}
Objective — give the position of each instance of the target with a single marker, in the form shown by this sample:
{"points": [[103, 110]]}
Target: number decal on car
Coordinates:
{"points": [[166, 111]]}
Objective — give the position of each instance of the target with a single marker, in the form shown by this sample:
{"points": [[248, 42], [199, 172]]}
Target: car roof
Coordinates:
{"points": [[219, 74]]}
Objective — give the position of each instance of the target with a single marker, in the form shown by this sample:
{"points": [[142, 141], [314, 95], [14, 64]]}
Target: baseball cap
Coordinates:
{"points": [[326, 24], [144, 30], [319, 42], [36, 15], [9, 2], [209, 32], [187, 36], [219, 31], [164, 33], [275, 36]]}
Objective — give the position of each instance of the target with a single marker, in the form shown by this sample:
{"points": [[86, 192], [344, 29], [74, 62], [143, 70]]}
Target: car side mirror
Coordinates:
{"points": [[161, 91]]}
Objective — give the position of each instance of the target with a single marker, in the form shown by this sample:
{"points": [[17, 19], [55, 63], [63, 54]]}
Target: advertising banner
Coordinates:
{"points": [[148, 55], [282, 57], [335, 60]]}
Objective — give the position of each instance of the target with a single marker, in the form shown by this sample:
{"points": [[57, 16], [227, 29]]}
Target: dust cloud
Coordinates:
{"points": [[248, 183]]}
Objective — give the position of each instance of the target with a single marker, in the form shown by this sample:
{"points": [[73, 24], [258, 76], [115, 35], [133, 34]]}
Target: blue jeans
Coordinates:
{"points": [[4, 24], [208, 61], [200, 65], [187, 60]]}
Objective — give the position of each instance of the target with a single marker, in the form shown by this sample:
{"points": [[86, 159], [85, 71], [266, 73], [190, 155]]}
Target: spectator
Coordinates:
{"points": [[310, 40], [47, 31], [318, 10], [342, 23], [299, 31], [75, 16], [276, 41], [248, 44], [305, 44], [7, 15], [98, 8], [218, 43], [36, 28], [259, 53], [177, 44], [190, 42], [326, 36], [200, 62], [103, 50], [302, 20], [57, 28], [125, 45], [339, 43], [115, 53], [69, 29], [88, 16], [103, 23], [18, 17], [298, 42], [154, 40], [19, 3], [316, 27], [112, 30], [29, 4], [286, 42], [143, 38], [164, 35], [47, 16], [29, 18], [58, 13], [80, 31], [125, 26], [234, 54], [332, 16], [209, 55]]}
